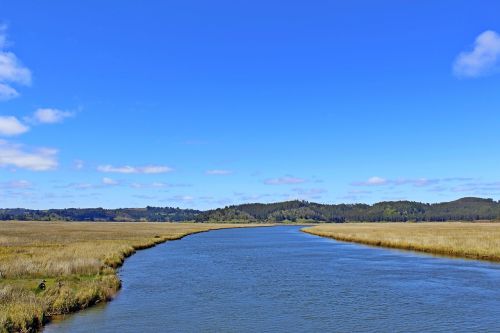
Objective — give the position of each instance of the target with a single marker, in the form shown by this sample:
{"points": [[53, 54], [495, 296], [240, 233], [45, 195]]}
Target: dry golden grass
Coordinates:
{"points": [[458, 239], [77, 260]]}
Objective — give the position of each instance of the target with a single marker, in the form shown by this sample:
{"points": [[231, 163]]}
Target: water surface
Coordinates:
{"points": [[282, 280]]}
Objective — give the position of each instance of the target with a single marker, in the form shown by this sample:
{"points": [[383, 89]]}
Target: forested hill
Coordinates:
{"points": [[465, 209], [152, 214]]}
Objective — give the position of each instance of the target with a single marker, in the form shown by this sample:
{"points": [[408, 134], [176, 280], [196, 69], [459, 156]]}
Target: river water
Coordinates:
{"points": [[282, 280]]}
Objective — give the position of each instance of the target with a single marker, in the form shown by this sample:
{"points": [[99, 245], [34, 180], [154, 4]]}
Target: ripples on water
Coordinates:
{"points": [[281, 280]]}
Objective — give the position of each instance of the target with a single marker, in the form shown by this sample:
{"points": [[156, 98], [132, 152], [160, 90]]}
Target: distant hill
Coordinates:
{"points": [[151, 214], [465, 209]]}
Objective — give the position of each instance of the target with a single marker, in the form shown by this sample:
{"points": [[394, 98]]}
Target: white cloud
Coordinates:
{"points": [[373, 181], [127, 169], [112, 169], [109, 181], [41, 159], [7, 92], [10, 126], [51, 116], [155, 169], [483, 59], [377, 181], [284, 181], [152, 185], [219, 172], [11, 70]]}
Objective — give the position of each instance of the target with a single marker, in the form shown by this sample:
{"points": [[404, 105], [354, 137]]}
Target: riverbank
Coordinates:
{"points": [[457, 239], [77, 261]]}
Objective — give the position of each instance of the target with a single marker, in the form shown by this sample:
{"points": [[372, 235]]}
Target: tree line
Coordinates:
{"points": [[148, 214], [465, 209]]}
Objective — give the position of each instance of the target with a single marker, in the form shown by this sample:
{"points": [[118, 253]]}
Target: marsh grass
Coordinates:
{"points": [[458, 239], [77, 260]]}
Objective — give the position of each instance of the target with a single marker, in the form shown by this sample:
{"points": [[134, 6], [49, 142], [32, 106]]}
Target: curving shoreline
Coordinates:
{"points": [[75, 249], [280, 279], [480, 241]]}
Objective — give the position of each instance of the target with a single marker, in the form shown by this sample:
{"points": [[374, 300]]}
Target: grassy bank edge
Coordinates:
{"points": [[457, 253], [36, 325]]}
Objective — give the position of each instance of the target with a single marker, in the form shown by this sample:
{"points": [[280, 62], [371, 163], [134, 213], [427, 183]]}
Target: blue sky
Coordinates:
{"points": [[205, 104]]}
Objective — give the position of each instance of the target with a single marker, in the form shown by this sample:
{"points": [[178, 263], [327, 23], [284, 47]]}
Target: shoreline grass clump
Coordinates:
{"points": [[77, 262], [456, 239]]}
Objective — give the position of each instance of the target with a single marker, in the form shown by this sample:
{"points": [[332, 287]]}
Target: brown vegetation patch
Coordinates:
{"points": [[458, 239], [77, 260]]}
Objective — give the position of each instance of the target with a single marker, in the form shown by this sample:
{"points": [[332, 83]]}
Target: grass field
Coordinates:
{"points": [[468, 240], [78, 261]]}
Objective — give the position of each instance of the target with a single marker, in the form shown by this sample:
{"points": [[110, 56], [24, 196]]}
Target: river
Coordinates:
{"points": [[279, 279]]}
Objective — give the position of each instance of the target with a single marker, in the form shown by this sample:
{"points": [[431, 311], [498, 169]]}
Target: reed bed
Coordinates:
{"points": [[78, 261], [457, 239]]}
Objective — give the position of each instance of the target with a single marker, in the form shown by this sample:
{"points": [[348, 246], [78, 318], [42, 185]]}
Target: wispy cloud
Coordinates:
{"points": [[12, 71], [457, 179], [11, 126], [181, 198], [16, 184], [467, 185], [288, 180], [417, 182], [80, 186], [15, 155], [359, 192], [127, 169], [218, 172], [109, 181], [79, 164], [478, 187], [152, 185], [105, 183], [307, 193], [483, 59], [3, 36], [145, 196], [50, 116]]}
